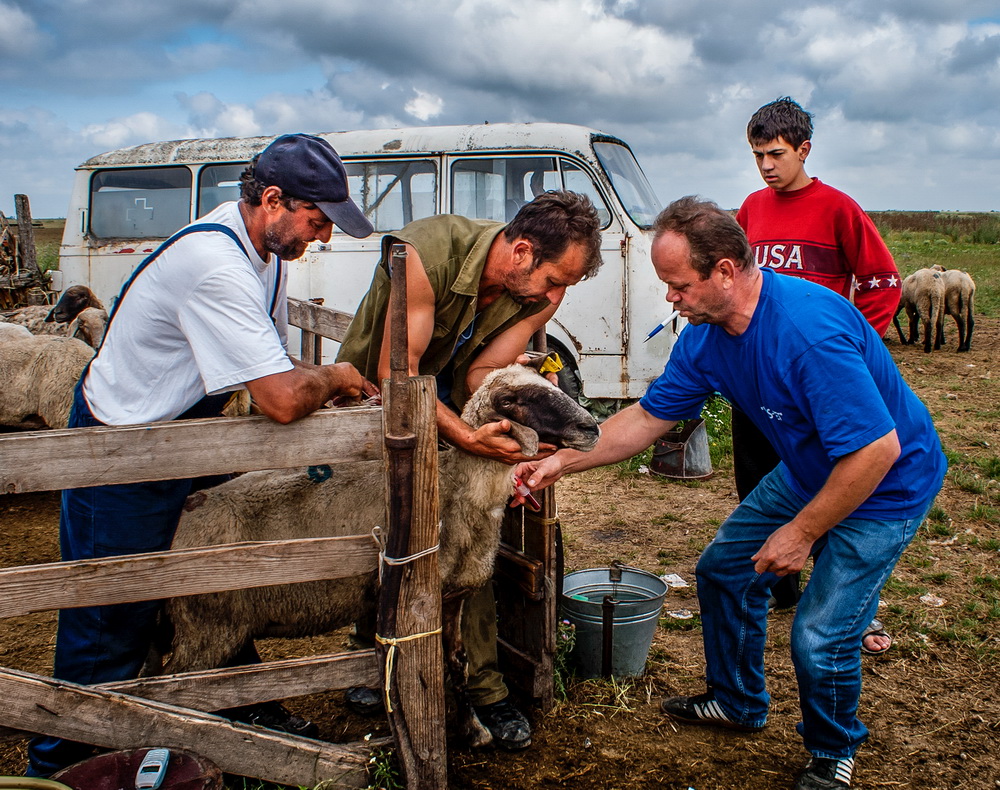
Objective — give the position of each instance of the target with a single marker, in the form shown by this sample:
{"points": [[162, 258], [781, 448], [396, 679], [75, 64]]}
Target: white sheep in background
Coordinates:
{"points": [[349, 500], [922, 298], [39, 374], [59, 320], [89, 326], [959, 302]]}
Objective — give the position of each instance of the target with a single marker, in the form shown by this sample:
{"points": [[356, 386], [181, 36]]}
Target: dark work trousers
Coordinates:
{"points": [[753, 459], [101, 644]]}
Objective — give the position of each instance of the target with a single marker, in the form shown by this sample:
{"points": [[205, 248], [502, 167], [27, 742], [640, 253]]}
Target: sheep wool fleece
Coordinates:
{"points": [[820, 234]]}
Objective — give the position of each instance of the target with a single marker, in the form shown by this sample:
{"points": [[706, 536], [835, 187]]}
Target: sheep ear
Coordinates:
{"points": [[525, 437], [534, 360]]}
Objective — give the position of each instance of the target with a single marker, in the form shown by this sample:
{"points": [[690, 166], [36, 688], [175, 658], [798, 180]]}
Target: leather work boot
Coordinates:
{"points": [[508, 726]]}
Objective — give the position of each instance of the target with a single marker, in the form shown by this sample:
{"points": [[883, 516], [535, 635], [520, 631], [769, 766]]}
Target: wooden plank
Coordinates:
{"points": [[311, 348], [215, 689], [118, 721], [81, 457], [524, 571], [319, 320], [165, 574]]}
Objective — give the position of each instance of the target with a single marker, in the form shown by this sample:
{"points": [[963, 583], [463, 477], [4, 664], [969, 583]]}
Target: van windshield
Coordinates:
{"points": [[629, 182]]}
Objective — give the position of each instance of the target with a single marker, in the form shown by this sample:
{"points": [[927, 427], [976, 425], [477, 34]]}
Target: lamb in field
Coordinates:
{"points": [[39, 373], [959, 303], [349, 500], [923, 298]]}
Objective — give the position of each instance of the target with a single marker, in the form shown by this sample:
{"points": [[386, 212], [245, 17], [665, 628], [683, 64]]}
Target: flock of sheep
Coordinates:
{"points": [[930, 294], [43, 351]]}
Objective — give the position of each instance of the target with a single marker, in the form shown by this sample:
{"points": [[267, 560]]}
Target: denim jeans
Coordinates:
{"points": [[851, 563], [101, 644]]}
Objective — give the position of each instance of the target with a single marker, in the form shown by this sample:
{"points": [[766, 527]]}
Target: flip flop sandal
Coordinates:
{"points": [[875, 628]]}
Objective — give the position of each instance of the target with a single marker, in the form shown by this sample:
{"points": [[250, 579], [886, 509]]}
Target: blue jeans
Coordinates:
{"points": [[851, 563], [101, 644]]}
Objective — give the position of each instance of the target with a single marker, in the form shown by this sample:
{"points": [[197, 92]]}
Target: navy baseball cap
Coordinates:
{"points": [[308, 168]]}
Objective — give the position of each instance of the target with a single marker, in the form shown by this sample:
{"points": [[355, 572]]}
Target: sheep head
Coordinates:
{"points": [[537, 410], [74, 299]]}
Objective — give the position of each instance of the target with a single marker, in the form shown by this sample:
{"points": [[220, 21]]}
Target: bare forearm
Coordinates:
{"points": [[289, 396], [852, 481]]}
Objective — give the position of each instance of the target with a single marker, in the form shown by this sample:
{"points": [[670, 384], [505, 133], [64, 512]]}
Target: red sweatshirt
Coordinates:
{"points": [[821, 234]]}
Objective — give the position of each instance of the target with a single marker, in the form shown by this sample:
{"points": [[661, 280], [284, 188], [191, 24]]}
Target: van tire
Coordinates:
{"points": [[569, 377]]}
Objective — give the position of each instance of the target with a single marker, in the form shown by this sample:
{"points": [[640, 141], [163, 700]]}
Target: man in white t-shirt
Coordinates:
{"points": [[202, 316]]}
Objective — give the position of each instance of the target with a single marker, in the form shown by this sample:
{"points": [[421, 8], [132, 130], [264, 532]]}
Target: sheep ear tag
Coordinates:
{"points": [[525, 437]]}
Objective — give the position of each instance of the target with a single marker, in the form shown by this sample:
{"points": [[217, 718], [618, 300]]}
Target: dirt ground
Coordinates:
{"points": [[932, 703]]}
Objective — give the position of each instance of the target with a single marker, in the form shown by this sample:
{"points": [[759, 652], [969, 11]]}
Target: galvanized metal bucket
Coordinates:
{"points": [[683, 454], [615, 611]]}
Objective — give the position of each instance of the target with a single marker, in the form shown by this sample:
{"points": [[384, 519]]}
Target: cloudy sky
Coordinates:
{"points": [[906, 93]]}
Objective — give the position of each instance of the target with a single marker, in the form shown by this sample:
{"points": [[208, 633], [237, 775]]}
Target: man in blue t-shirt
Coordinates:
{"points": [[860, 466]]}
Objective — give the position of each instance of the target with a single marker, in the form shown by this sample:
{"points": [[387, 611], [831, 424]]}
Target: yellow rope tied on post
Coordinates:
{"points": [[395, 641], [390, 657]]}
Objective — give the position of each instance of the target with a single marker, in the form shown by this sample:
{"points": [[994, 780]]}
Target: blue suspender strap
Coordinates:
{"points": [[203, 227], [277, 283]]}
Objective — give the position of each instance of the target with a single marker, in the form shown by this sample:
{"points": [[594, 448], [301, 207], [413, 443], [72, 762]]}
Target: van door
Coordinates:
{"points": [[589, 321]]}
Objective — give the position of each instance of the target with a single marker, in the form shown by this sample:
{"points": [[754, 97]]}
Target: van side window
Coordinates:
{"points": [[577, 180], [218, 184], [393, 194], [496, 188], [139, 203]]}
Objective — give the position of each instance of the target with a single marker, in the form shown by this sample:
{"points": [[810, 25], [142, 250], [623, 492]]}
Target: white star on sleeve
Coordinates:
{"points": [[892, 281], [873, 282]]}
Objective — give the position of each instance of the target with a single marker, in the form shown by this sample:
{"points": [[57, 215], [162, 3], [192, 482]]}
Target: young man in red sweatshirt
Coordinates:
{"points": [[802, 227]]}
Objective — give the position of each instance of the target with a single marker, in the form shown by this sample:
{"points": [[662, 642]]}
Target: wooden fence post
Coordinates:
{"points": [[409, 614], [26, 237]]}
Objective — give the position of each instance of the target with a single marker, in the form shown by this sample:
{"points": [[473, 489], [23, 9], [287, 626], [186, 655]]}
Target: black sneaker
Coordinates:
{"points": [[701, 709], [508, 726], [823, 773], [274, 716], [364, 701]]}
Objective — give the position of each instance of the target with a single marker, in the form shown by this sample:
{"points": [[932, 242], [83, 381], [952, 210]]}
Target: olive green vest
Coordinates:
{"points": [[453, 250]]}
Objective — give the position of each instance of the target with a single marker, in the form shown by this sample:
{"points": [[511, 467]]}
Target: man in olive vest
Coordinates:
{"points": [[476, 293]]}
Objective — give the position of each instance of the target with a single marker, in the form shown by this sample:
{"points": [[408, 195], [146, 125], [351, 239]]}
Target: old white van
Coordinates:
{"points": [[125, 202]]}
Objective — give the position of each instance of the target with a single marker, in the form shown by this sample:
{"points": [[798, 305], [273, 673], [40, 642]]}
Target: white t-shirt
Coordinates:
{"points": [[195, 322]]}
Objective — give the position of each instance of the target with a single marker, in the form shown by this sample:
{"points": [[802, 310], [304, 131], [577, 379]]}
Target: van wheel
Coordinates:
{"points": [[569, 377]]}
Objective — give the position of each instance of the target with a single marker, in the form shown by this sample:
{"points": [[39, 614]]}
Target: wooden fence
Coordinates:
{"points": [[167, 711]]}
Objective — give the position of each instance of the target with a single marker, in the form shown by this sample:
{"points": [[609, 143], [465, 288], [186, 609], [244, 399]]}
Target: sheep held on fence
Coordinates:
{"points": [[208, 630], [922, 298]]}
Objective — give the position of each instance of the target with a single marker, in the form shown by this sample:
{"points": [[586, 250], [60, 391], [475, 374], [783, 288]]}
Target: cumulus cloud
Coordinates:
{"points": [[19, 34], [888, 81]]}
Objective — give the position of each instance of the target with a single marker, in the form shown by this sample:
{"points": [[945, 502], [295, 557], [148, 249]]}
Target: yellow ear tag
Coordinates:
{"points": [[552, 364]]}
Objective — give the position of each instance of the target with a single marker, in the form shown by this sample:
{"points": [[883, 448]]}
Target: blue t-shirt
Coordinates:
{"points": [[814, 377]]}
